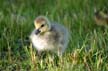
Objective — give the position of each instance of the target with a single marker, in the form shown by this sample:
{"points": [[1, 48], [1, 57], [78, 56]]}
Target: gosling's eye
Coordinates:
{"points": [[42, 25]]}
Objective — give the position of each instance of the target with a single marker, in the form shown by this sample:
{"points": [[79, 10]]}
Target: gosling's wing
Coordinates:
{"points": [[59, 28], [61, 32]]}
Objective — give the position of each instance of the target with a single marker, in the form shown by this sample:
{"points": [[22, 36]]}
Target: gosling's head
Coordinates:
{"points": [[42, 25]]}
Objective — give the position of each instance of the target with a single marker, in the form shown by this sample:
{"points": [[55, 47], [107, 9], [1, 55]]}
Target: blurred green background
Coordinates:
{"points": [[88, 47]]}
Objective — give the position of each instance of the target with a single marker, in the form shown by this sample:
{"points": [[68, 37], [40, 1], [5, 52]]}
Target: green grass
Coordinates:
{"points": [[88, 47]]}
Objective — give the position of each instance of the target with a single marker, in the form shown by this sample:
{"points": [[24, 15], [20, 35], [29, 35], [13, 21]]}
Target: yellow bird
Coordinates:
{"points": [[101, 18], [49, 36]]}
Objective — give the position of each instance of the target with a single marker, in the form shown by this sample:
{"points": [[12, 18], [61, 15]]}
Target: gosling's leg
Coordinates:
{"points": [[59, 52], [39, 53]]}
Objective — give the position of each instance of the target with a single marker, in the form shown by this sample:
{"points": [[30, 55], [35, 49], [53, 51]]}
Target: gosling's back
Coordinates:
{"points": [[62, 34]]}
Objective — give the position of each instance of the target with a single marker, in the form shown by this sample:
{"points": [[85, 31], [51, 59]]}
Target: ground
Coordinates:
{"points": [[88, 46]]}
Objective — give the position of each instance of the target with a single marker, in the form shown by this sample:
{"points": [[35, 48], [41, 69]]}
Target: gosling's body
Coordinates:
{"points": [[55, 39], [51, 39]]}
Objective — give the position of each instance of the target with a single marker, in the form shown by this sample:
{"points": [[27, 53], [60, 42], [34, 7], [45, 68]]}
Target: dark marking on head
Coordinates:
{"points": [[42, 25], [38, 20]]}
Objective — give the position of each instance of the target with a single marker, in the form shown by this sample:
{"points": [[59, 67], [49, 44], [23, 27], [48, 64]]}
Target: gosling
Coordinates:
{"points": [[49, 36], [101, 18]]}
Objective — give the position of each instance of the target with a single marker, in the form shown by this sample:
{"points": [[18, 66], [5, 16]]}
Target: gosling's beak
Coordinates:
{"points": [[37, 32]]}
